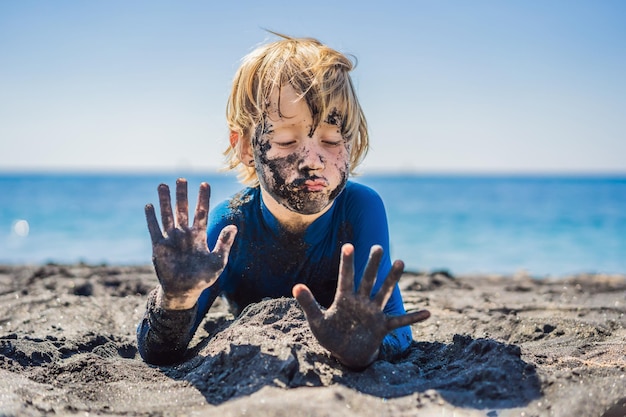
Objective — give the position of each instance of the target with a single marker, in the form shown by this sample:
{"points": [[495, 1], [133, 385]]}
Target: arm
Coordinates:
{"points": [[371, 228], [185, 267], [163, 335]]}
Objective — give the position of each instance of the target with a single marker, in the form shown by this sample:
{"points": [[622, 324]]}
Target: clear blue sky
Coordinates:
{"points": [[469, 86]]}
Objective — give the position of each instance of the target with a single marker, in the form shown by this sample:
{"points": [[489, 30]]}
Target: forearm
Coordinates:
{"points": [[163, 335]]}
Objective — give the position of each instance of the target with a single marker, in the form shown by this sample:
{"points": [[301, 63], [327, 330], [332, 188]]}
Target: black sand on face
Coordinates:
{"points": [[495, 346]]}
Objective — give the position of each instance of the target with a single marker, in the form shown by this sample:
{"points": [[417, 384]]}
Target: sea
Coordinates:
{"points": [[543, 226]]}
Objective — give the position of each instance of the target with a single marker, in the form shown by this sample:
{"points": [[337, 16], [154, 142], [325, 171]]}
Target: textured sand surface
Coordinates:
{"points": [[494, 346]]}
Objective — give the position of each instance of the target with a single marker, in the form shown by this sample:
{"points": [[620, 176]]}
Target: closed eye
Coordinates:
{"points": [[285, 144]]}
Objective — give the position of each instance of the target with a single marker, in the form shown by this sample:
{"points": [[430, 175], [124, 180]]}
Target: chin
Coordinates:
{"points": [[308, 207]]}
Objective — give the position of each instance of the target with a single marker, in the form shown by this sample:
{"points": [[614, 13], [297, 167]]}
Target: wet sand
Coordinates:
{"points": [[494, 346]]}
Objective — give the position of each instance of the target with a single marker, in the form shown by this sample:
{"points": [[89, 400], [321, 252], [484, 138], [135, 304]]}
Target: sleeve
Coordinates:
{"points": [[163, 335], [371, 228]]}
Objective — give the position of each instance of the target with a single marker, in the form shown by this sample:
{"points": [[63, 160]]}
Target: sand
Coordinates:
{"points": [[494, 346]]}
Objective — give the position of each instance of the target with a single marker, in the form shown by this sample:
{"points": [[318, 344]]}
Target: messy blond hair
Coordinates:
{"points": [[319, 75]]}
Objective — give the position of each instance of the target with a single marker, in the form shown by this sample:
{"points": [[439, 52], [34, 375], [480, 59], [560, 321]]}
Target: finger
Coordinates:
{"points": [[153, 224], [305, 298], [225, 241], [346, 270], [182, 205], [202, 208], [407, 319], [371, 270], [390, 282], [166, 208]]}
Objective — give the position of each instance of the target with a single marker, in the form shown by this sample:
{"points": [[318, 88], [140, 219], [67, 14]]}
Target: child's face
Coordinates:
{"points": [[302, 169]]}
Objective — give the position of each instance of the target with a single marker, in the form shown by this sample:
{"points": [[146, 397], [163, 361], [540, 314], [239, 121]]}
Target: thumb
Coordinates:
{"points": [[225, 240], [407, 319], [305, 298]]}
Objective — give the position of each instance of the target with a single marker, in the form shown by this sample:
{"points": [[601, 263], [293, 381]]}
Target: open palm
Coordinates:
{"points": [[354, 326], [183, 262]]}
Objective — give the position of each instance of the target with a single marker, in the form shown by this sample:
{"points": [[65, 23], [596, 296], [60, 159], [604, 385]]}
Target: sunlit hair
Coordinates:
{"points": [[318, 74]]}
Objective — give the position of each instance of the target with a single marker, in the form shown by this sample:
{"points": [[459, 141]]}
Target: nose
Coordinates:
{"points": [[312, 157]]}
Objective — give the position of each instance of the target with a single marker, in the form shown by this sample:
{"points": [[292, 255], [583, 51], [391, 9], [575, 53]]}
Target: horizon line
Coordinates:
{"points": [[368, 172]]}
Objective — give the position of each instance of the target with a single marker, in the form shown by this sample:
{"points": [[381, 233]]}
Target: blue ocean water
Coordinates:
{"points": [[465, 224]]}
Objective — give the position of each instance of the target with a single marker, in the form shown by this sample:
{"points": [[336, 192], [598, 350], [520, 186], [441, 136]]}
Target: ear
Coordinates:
{"points": [[242, 147]]}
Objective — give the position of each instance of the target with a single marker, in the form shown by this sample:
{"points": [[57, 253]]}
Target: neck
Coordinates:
{"points": [[290, 220]]}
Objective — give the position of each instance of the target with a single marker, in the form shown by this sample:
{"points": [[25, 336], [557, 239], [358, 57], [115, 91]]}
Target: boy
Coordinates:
{"points": [[300, 228]]}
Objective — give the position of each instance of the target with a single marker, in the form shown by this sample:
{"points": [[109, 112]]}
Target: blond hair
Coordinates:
{"points": [[320, 76]]}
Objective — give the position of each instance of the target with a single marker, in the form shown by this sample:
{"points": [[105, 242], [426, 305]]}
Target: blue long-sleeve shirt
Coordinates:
{"points": [[267, 261]]}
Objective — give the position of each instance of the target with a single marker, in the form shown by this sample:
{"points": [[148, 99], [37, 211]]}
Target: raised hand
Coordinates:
{"points": [[182, 260], [354, 326]]}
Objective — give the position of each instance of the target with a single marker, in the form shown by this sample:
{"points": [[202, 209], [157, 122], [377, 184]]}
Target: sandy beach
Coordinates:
{"points": [[494, 346]]}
